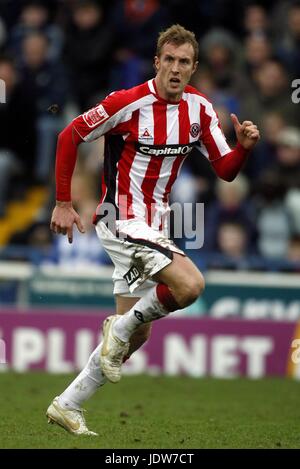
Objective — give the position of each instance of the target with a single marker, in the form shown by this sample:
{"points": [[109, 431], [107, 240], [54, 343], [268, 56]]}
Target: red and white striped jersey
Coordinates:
{"points": [[146, 142]]}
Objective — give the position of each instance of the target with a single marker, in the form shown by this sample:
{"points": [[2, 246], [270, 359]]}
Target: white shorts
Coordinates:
{"points": [[138, 252]]}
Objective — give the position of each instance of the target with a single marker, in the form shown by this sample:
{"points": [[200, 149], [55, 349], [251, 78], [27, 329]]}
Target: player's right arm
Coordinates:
{"points": [[112, 114], [226, 162], [64, 215], [87, 127]]}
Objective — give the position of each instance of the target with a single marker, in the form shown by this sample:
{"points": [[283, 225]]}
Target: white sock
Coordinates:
{"points": [[147, 309], [85, 384]]}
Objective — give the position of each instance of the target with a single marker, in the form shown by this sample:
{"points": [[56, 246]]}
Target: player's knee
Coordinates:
{"points": [[191, 290]]}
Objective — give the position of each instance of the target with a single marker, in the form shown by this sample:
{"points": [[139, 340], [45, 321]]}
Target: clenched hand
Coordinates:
{"points": [[247, 133]]}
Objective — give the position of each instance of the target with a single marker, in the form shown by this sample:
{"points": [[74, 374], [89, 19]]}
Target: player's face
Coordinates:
{"points": [[175, 67]]}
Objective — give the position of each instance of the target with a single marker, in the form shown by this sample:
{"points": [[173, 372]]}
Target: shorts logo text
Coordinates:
{"points": [[132, 275]]}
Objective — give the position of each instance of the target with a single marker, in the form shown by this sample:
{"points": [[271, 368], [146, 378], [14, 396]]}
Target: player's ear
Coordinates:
{"points": [[156, 63], [195, 66]]}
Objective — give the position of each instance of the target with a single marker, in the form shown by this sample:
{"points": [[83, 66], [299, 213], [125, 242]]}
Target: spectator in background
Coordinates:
{"points": [[232, 251], [264, 154], [292, 202], [32, 244], [288, 46], [272, 221], [45, 82], [287, 165], [258, 50], [17, 136], [291, 263], [137, 23], [219, 52], [232, 239], [34, 17], [220, 57], [256, 20], [284, 172], [288, 169], [89, 43], [272, 94], [231, 204]]}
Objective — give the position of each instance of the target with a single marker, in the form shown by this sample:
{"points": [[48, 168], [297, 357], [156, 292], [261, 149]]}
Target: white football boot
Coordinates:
{"points": [[71, 420], [112, 351]]}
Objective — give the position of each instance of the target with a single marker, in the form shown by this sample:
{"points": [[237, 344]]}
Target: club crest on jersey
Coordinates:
{"points": [[195, 130], [95, 116], [145, 133]]}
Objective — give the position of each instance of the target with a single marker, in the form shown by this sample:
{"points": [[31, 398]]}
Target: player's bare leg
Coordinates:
{"points": [[184, 280], [142, 334], [116, 350], [65, 410], [179, 285]]}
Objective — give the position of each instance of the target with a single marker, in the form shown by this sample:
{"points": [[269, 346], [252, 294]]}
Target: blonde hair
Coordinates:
{"points": [[177, 35]]}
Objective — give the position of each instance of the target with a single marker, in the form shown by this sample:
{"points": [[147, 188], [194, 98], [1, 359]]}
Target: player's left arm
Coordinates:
{"points": [[225, 161], [247, 134]]}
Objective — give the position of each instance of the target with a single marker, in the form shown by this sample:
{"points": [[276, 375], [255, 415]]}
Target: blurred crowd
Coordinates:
{"points": [[60, 57]]}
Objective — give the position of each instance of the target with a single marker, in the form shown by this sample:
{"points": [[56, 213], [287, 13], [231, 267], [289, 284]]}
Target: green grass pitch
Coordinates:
{"points": [[156, 413]]}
